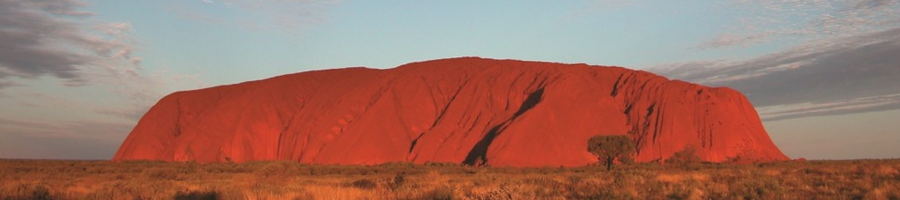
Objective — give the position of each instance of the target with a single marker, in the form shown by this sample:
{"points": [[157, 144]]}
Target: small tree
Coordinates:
{"points": [[611, 147]]}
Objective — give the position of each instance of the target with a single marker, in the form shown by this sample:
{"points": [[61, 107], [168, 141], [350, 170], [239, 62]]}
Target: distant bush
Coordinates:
{"points": [[759, 188], [30, 191], [161, 173], [364, 184], [397, 181], [440, 193], [197, 195], [276, 169], [687, 156]]}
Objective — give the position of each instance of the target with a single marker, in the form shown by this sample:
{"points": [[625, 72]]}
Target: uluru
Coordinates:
{"points": [[468, 110]]}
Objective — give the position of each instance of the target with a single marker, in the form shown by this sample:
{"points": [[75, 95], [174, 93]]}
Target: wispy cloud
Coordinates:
{"points": [[97, 130], [67, 140], [732, 39], [846, 75], [811, 20], [826, 107], [39, 99], [6, 84], [132, 113]]}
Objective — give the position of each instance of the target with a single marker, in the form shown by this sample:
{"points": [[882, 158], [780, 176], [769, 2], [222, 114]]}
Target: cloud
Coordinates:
{"points": [[856, 105], [132, 113], [66, 140], [811, 20], [9, 122], [870, 4], [38, 99], [6, 84], [94, 60], [729, 39], [846, 75], [96, 130], [53, 37]]}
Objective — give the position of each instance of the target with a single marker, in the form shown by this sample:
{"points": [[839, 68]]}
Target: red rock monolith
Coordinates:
{"points": [[461, 110]]}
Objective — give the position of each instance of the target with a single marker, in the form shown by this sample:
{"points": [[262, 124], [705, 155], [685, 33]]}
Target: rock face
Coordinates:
{"points": [[461, 110]]}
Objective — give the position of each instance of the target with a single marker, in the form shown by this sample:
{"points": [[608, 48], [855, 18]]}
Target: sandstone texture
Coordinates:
{"points": [[461, 110]]}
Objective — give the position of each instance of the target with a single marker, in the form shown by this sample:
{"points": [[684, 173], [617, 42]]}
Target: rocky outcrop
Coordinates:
{"points": [[462, 110]]}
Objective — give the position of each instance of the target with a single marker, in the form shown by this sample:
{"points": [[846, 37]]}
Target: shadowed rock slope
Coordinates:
{"points": [[461, 110]]}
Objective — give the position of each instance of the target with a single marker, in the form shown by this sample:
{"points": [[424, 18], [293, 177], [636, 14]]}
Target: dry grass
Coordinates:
{"points": [[860, 179]]}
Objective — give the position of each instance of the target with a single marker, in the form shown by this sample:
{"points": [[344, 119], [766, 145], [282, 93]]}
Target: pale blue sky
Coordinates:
{"points": [[97, 72], [385, 34]]}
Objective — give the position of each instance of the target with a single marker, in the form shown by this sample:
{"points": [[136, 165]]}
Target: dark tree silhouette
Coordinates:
{"points": [[611, 147]]}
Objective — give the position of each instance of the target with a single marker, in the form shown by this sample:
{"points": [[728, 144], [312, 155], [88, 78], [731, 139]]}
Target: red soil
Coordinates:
{"points": [[461, 110]]}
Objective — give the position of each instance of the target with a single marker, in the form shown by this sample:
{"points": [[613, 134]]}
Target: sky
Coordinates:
{"points": [[77, 75]]}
